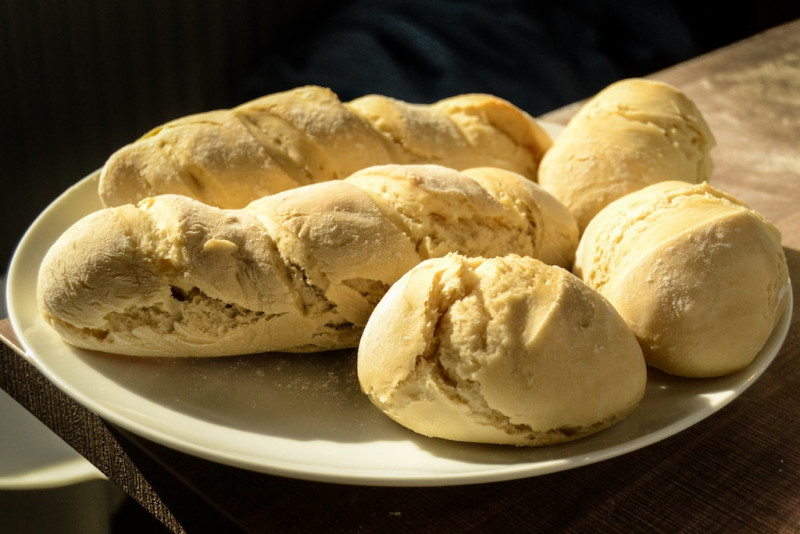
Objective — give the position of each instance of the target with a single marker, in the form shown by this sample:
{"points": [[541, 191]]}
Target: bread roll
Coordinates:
{"points": [[228, 158], [632, 134], [296, 271], [699, 277], [505, 350]]}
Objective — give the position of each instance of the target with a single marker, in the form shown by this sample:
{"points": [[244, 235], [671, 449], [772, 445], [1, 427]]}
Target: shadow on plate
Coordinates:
{"points": [[313, 396], [316, 397]]}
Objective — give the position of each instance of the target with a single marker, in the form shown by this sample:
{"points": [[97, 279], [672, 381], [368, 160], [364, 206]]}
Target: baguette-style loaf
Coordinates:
{"points": [[228, 158], [502, 350], [296, 271], [633, 133], [699, 277]]}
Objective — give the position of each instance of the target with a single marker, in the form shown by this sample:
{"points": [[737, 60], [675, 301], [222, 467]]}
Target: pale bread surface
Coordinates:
{"points": [[296, 271], [699, 277], [504, 350], [229, 158], [633, 133]]}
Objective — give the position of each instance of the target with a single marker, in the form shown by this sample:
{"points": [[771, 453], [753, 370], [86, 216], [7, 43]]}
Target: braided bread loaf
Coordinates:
{"points": [[229, 158], [296, 271]]}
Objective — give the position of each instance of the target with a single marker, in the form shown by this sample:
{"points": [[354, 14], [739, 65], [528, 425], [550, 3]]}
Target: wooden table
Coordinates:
{"points": [[737, 471]]}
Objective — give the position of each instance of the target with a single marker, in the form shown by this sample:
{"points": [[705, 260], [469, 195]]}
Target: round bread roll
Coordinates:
{"points": [[632, 134], [699, 277], [507, 350]]}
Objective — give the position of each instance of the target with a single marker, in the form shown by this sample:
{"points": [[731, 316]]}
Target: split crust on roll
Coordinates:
{"points": [[505, 350]]}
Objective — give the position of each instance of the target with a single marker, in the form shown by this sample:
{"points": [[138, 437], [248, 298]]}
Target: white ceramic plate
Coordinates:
{"points": [[303, 415], [33, 457]]}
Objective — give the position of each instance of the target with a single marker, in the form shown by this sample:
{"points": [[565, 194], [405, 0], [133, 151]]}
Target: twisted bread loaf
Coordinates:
{"points": [[229, 158], [297, 271]]}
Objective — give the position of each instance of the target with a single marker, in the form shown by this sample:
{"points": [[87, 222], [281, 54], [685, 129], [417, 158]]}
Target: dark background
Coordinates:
{"points": [[79, 78]]}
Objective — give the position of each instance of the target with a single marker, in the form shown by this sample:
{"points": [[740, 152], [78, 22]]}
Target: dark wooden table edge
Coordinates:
{"points": [[111, 457]]}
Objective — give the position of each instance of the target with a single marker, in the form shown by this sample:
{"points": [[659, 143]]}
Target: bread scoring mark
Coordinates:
{"points": [[370, 290], [639, 216], [463, 116], [152, 133], [399, 141], [485, 230], [278, 151], [681, 130], [193, 181], [436, 366], [449, 361], [339, 326], [310, 299], [493, 236]]}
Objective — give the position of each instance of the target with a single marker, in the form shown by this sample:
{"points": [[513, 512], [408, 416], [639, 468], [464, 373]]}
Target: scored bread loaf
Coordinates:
{"points": [[503, 350], [296, 271], [699, 277], [633, 133], [228, 158]]}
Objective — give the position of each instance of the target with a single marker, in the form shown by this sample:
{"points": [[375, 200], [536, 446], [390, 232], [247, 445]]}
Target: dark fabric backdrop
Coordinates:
{"points": [[79, 78]]}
